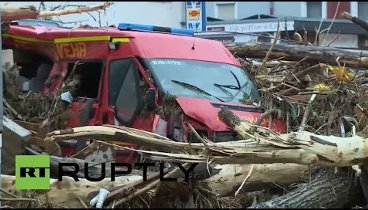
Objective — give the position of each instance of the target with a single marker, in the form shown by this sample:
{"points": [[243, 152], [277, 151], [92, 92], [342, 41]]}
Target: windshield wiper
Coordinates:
{"points": [[193, 87], [233, 87], [230, 86]]}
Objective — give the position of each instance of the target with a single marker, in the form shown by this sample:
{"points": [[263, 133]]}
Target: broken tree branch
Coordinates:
{"points": [[74, 11]]}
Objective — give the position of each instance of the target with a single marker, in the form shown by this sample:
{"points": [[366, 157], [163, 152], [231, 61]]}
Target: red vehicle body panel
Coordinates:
{"points": [[203, 111], [145, 45]]}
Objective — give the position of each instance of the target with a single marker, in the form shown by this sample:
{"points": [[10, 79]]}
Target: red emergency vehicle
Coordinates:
{"points": [[151, 78]]}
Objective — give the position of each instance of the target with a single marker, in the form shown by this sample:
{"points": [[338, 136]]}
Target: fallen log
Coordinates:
{"points": [[325, 190], [16, 13], [261, 147], [311, 54]]}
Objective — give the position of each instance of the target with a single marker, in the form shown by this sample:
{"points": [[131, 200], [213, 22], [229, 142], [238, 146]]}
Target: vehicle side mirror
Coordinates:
{"points": [[151, 99]]}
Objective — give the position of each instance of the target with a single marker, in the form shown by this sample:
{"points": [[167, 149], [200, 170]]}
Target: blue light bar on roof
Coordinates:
{"points": [[142, 27]]}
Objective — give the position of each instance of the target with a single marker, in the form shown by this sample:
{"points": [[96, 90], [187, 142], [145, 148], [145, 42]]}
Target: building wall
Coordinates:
{"points": [[292, 8], [288, 8], [168, 14], [210, 9], [246, 9]]}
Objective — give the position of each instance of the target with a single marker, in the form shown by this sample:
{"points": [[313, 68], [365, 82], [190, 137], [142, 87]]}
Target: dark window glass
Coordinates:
{"points": [[124, 89], [201, 79], [363, 10], [88, 74], [314, 9], [118, 71]]}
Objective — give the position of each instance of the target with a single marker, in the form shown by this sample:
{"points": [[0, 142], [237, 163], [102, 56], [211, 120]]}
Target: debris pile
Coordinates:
{"points": [[321, 161], [318, 98], [48, 110]]}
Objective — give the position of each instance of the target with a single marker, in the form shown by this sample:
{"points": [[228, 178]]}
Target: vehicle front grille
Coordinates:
{"points": [[223, 136]]}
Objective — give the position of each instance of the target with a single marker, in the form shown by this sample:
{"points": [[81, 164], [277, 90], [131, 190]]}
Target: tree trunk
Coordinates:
{"points": [[230, 176], [313, 54], [262, 146], [326, 190]]}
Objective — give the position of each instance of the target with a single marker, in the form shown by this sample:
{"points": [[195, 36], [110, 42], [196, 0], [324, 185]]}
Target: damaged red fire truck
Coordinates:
{"points": [[151, 78]]}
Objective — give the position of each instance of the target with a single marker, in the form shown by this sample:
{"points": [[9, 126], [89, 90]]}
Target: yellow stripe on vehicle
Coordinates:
{"points": [[68, 40], [22, 38], [120, 40], [82, 39]]}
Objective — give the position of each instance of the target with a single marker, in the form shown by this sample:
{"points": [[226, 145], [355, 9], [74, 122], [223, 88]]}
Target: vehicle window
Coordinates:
{"points": [[35, 69], [118, 71], [125, 91], [87, 74], [201, 79]]}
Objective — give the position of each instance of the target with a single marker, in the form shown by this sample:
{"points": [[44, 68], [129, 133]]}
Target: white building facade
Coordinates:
{"points": [[230, 10], [257, 21]]}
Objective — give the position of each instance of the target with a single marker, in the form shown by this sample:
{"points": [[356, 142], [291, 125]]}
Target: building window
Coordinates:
{"points": [[362, 10], [314, 9], [226, 11]]}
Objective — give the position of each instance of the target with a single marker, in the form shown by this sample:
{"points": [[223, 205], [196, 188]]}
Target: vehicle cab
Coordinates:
{"points": [[146, 77]]}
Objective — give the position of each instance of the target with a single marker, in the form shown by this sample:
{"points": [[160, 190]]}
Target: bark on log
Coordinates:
{"points": [[326, 190], [311, 54]]}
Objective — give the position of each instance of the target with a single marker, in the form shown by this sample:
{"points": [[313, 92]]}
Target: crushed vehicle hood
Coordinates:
{"points": [[206, 112]]}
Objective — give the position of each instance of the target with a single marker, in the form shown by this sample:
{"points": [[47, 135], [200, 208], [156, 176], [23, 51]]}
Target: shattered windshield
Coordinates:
{"points": [[201, 79]]}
